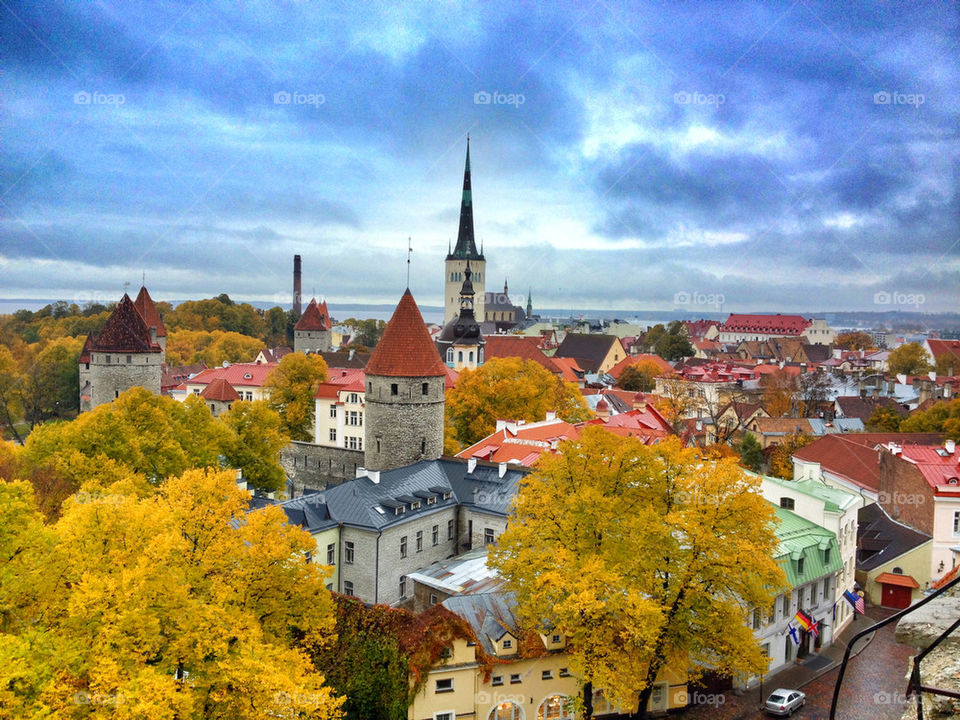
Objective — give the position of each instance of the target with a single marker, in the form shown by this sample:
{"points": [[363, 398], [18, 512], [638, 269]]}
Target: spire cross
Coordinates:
{"points": [[409, 251]]}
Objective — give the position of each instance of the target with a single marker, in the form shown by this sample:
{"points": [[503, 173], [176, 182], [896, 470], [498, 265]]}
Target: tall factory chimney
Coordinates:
{"points": [[297, 288]]}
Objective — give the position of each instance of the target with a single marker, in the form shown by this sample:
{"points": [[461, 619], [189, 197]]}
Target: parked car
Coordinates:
{"points": [[785, 702]]}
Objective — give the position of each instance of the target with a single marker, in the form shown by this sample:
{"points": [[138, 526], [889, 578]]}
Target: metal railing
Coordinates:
{"points": [[915, 686]]}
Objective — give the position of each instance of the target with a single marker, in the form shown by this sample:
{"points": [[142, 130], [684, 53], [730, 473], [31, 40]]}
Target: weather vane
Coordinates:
{"points": [[409, 251]]}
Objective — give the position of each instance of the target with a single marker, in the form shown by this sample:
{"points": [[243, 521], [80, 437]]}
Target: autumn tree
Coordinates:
{"points": [[509, 388], [169, 605], [947, 364], [186, 347], [780, 393], [884, 419], [640, 376], [943, 416], [670, 342], [257, 438], [855, 340], [292, 385], [675, 402], [909, 359], [781, 463], [11, 403], [639, 556]]}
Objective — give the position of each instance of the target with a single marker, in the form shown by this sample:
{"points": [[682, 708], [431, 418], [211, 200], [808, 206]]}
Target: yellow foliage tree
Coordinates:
{"points": [[170, 606], [185, 347], [509, 388], [257, 439], [292, 385], [780, 393], [641, 556]]}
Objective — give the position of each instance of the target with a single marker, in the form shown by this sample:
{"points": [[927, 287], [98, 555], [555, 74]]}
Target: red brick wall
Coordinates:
{"points": [[904, 494]]}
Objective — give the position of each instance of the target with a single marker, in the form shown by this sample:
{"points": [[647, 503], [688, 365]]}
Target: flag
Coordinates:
{"points": [[804, 620], [855, 600], [814, 629], [793, 634]]}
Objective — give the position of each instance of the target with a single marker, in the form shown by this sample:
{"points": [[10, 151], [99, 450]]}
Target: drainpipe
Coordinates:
{"points": [[376, 577]]}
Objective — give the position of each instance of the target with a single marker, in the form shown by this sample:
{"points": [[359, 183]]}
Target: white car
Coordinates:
{"points": [[785, 702]]}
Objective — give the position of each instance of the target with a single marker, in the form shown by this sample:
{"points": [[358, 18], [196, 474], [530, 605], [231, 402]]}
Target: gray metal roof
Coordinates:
{"points": [[489, 614]]}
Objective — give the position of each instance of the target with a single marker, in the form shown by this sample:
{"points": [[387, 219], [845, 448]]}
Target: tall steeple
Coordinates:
{"points": [[529, 303], [466, 247]]}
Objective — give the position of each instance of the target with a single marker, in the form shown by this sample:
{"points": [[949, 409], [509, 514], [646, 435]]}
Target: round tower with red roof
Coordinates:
{"points": [[404, 394], [312, 331]]}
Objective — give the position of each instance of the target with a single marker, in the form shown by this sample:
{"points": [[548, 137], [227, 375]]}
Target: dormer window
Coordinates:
{"points": [[415, 505], [398, 510], [431, 500]]}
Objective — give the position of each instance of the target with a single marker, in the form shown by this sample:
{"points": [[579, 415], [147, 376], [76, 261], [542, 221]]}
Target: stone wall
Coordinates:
{"points": [[904, 494], [941, 668], [109, 379], [312, 341], [404, 424], [314, 467]]}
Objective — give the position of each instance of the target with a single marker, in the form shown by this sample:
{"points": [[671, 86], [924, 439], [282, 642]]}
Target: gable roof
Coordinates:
{"points": [[238, 374], [87, 347], [767, 324], [125, 331], [148, 311], [347, 359], [220, 391], [881, 539], [591, 350], [521, 346], [490, 615], [801, 538], [406, 348], [315, 317], [617, 370], [945, 348], [855, 406]]}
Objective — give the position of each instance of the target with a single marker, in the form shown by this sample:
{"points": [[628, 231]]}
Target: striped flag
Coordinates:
{"points": [[806, 622], [855, 600]]}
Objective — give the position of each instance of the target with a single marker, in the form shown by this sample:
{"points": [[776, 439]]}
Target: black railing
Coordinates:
{"points": [[914, 687]]}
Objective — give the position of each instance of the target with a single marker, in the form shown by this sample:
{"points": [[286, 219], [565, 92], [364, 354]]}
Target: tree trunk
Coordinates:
{"points": [[642, 703], [588, 701]]}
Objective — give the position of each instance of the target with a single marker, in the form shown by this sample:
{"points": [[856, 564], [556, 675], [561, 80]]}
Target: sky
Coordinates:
{"points": [[696, 156]]}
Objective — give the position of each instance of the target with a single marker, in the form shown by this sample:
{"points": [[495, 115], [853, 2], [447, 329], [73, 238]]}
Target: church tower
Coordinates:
{"points": [[465, 251], [405, 380], [461, 342]]}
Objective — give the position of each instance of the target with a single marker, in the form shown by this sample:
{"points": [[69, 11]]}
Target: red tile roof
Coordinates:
{"points": [[768, 324], [220, 391], [405, 349], [351, 380], [948, 348], [315, 317], [570, 369], [87, 347], [125, 331], [521, 346], [148, 311], [238, 374], [946, 578], [940, 469], [894, 579]]}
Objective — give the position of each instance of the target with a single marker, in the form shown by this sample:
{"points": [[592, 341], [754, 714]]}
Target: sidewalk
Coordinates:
{"points": [[792, 676]]}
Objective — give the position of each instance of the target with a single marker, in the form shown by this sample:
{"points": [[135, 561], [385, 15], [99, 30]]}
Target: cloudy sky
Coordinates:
{"points": [[650, 156]]}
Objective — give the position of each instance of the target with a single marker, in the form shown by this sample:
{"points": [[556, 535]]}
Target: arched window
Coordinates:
{"points": [[506, 711], [449, 355], [556, 707], [470, 356], [459, 355]]}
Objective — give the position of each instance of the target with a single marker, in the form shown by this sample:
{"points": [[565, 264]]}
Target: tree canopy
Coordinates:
{"points": [[640, 555], [640, 376], [670, 342], [943, 416], [909, 359], [186, 347], [855, 340], [160, 605], [509, 389], [292, 385]]}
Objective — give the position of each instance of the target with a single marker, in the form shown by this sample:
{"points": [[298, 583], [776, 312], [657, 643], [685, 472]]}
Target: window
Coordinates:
{"points": [[348, 553], [826, 556], [460, 356], [444, 685], [129, 359], [348, 588], [403, 586], [444, 716], [555, 639], [249, 396], [515, 679], [403, 546], [394, 389], [446, 653], [488, 536], [354, 398], [333, 434], [546, 675], [956, 522], [378, 444], [449, 355], [419, 540], [433, 599], [432, 500], [507, 644], [497, 680], [333, 411], [799, 566], [787, 503], [786, 605], [436, 535], [756, 619], [331, 554], [423, 446], [564, 672], [450, 529], [470, 356], [108, 359], [425, 389]]}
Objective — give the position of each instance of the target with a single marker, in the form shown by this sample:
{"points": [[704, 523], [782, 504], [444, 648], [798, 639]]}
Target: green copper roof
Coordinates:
{"points": [[802, 539], [834, 499], [466, 247]]}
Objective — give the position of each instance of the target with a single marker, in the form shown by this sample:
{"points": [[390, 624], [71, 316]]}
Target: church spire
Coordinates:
{"points": [[529, 303], [466, 247]]}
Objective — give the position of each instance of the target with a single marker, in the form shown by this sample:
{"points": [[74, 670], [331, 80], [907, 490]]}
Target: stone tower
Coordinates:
{"points": [[312, 331], [404, 394], [465, 250], [461, 342], [125, 354], [153, 319]]}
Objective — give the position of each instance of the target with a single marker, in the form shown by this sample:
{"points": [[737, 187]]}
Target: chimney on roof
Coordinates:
{"points": [[350, 356], [374, 475], [932, 375], [950, 446], [297, 291], [471, 464], [502, 470], [551, 415], [501, 424]]}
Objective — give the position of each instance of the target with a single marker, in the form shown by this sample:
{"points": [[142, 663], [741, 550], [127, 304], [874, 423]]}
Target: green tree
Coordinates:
{"points": [[640, 376], [637, 555], [781, 462], [947, 364], [943, 416], [884, 419], [257, 439], [292, 385], [670, 342], [909, 359], [177, 604], [509, 389], [751, 453], [855, 340]]}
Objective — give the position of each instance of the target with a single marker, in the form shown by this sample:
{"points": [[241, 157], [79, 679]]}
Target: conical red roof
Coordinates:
{"points": [[406, 349], [315, 317], [148, 311], [125, 331], [220, 391]]}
